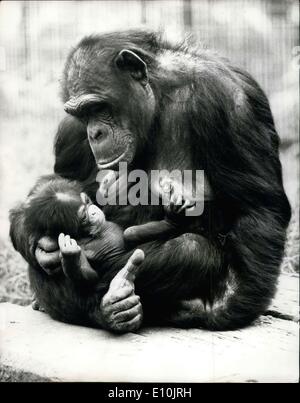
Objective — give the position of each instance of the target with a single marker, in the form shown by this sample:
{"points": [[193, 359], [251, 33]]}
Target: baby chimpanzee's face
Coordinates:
{"points": [[92, 215], [95, 215]]}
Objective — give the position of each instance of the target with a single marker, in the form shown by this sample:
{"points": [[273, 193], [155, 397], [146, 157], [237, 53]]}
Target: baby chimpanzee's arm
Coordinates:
{"points": [[74, 262]]}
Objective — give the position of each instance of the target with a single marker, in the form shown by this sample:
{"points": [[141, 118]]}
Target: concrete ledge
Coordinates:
{"points": [[33, 347], [8, 374]]}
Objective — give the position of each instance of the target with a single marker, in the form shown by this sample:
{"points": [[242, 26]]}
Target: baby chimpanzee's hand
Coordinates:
{"points": [[67, 245], [74, 263], [70, 254]]}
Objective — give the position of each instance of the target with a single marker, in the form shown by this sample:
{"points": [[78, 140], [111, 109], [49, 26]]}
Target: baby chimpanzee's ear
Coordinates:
{"points": [[85, 198]]}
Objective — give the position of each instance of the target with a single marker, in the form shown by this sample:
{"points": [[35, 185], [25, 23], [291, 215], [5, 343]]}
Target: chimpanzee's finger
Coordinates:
{"points": [[129, 271], [61, 241], [109, 178], [117, 295], [48, 244], [73, 243], [188, 204], [124, 304], [67, 240], [166, 185], [150, 231], [129, 326], [125, 316], [35, 305]]}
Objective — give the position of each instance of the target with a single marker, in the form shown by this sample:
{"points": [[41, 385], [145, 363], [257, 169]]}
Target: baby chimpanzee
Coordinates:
{"points": [[58, 208]]}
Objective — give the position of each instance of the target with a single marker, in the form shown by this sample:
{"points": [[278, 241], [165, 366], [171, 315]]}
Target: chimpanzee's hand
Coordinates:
{"points": [[68, 246], [150, 231], [121, 310], [70, 253], [172, 193], [175, 205], [47, 255]]}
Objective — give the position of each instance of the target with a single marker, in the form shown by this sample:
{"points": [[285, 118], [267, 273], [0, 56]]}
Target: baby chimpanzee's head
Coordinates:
{"points": [[59, 205]]}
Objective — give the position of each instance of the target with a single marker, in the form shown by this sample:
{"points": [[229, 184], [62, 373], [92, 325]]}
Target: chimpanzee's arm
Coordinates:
{"points": [[22, 241], [74, 262], [182, 267]]}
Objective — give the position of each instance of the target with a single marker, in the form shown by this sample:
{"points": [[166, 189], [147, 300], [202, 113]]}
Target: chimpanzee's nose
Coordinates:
{"points": [[95, 134]]}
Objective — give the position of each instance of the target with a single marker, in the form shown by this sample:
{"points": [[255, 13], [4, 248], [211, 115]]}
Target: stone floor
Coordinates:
{"points": [[33, 347]]}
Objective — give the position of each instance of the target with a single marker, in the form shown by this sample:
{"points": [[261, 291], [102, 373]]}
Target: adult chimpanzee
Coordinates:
{"points": [[138, 99]]}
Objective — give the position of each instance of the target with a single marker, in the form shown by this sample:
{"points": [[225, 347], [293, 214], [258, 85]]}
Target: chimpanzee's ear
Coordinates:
{"points": [[85, 198], [130, 61]]}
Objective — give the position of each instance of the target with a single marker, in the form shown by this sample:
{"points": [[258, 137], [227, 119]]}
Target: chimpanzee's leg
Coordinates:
{"points": [[182, 270]]}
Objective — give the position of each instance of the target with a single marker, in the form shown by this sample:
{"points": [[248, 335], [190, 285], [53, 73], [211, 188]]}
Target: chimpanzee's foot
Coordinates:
{"points": [[121, 310], [186, 311], [74, 263], [36, 305]]}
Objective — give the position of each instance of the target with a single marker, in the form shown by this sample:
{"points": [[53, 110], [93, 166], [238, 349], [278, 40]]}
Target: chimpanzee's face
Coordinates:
{"points": [[111, 95]]}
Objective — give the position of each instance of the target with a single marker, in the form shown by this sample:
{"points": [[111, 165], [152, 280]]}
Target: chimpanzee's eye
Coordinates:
{"points": [[105, 111], [101, 110]]}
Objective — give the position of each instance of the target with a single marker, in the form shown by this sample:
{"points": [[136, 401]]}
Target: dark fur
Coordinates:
{"points": [[222, 124], [46, 214]]}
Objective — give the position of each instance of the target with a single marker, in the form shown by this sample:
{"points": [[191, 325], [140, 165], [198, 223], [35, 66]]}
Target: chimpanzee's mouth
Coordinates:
{"points": [[111, 163]]}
